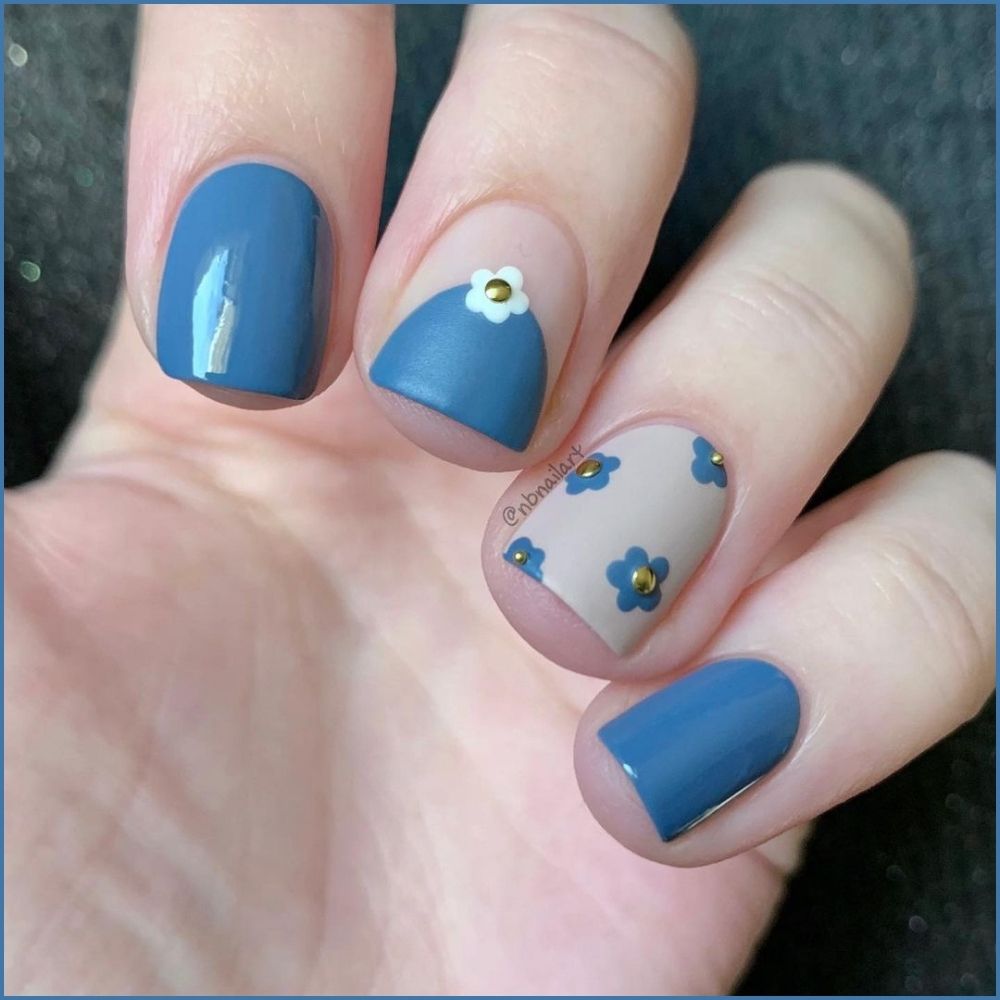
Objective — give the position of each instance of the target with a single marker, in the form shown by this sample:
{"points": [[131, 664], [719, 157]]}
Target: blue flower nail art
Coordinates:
{"points": [[637, 579], [593, 473], [703, 468], [525, 556]]}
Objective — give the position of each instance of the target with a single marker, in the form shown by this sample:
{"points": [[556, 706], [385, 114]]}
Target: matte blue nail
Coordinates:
{"points": [[691, 747], [245, 296], [474, 359]]}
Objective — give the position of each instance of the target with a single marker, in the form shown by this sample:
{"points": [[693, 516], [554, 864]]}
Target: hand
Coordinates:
{"points": [[266, 730]]}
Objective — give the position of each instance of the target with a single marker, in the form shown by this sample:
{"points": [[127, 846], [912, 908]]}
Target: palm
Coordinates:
{"points": [[267, 731]]}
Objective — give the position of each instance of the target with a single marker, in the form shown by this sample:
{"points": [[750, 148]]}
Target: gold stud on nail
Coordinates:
{"points": [[716, 458], [588, 468], [498, 290], [520, 557], [644, 580]]}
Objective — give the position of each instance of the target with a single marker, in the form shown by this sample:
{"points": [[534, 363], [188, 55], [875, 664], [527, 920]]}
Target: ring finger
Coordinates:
{"points": [[709, 431]]}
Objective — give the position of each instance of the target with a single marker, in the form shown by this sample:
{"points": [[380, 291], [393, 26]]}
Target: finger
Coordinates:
{"points": [[525, 226], [256, 155], [884, 633], [709, 432]]}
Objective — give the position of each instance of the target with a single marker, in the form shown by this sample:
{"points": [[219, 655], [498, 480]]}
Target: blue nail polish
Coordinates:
{"points": [[691, 747], [245, 297], [474, 359]]}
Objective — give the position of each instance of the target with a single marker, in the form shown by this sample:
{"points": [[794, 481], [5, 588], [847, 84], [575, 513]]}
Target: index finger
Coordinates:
{"points": [[256, 154]]}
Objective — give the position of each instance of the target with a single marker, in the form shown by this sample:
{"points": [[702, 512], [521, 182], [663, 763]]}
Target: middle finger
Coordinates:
{"points": [[524, 226]]}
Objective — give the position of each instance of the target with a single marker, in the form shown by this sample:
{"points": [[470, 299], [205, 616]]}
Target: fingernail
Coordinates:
{"points": [[485, 323], [618, 537], [692, 747], [245, 296]]}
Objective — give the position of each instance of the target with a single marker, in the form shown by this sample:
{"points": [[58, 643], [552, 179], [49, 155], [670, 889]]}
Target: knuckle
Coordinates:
{"points": [[974, 475], [958, 480], [876, 222], [957, 637], [770, 298], [644, 47], [817, 270]]}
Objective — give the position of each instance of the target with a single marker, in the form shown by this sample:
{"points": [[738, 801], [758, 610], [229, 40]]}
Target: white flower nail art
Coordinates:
{"points": [[503, 297]]}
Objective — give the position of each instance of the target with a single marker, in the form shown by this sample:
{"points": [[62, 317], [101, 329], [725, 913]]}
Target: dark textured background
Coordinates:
{"points": [[897, 892]]}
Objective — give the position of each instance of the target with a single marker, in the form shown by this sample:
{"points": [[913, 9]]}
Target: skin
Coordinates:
{"points": [[249, 781], [267, 728]]}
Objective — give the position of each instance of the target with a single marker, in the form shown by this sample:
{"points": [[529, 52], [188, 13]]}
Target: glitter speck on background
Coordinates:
{"points": [[30, 271], [17, 54]]}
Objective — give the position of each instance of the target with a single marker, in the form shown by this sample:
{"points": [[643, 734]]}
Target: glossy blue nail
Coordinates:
{"points": [[479, 361], [693, 746], [245, 297]]}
